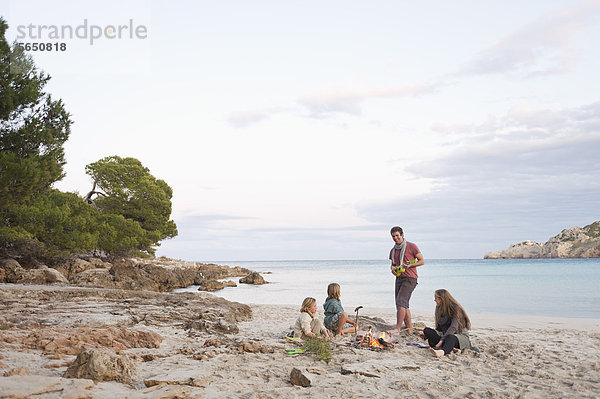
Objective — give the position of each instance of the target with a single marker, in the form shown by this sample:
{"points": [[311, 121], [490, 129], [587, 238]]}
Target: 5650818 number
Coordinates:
{"points": [[43, 46]]}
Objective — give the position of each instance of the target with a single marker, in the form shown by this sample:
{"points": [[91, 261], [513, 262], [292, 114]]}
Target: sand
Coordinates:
{"points": [[521, 357]]}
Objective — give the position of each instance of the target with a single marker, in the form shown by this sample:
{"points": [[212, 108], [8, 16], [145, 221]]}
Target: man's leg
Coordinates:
{"points": [[408, 321], [400, 317]]}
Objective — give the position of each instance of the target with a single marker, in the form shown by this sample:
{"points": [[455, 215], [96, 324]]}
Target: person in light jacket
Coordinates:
{"points": [[308, 323]]}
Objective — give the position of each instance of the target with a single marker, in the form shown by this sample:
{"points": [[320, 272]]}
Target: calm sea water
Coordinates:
{"points": [[542, 287]]}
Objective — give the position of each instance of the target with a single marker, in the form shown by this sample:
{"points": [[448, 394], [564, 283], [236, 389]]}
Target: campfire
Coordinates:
{"points": [[369, 341]]}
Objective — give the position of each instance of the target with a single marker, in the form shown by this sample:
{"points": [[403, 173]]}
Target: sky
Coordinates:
{"points": [[307, 129]]}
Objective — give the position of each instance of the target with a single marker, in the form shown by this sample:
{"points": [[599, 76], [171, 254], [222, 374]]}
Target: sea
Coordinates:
{"points": [[538, 287]]}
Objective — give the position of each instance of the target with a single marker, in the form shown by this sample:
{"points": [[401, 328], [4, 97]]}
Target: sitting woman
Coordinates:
{"points": [[451, 325], [308, 323]]}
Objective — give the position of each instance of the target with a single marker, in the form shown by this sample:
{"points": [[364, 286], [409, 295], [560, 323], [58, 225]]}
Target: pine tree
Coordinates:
{"points": [[33, 128]]}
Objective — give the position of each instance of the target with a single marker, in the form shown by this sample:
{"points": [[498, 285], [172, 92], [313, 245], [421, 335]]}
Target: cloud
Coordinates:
{"points": [[348, 99], [527, 175], [526, 142], [211, 241], [543, 47], [241, 119]]}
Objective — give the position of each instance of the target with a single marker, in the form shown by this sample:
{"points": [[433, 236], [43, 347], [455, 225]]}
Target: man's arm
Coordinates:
{"points": [[420, 261]]}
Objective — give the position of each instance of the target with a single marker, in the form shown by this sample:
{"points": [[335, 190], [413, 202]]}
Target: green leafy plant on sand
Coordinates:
{"points": [[320, 348]]}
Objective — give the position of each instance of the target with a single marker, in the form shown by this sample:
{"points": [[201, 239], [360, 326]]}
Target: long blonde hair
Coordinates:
{"points": [[450, 307], [308, 303], [333, 291]]}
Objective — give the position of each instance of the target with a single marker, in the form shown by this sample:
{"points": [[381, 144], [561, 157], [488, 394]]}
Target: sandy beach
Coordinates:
{"points": [[521, 357]]}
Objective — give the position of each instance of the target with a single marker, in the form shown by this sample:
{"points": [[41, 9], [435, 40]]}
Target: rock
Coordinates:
{"points": [[180, 377], [575, 242], [253, 278], [53, 276], [101, 365], [99, 263], [160, 274], [42, 275], [213, 325], [73, 340], [38, 386], [93, 278], [17, 371], [73, 266], [215, 285], [299, 379], [254, 347], [90, 308], [213, 342], [166, 275], [357, 369], [12, 270]]}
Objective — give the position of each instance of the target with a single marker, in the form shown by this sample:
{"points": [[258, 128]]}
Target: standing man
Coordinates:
{"points": [[404, 255]]}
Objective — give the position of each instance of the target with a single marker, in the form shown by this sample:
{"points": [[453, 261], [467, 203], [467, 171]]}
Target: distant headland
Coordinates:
{"points": [[576, 242]]}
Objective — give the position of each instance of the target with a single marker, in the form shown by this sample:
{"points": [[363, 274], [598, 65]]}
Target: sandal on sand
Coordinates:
{"points": [[294, 351]]}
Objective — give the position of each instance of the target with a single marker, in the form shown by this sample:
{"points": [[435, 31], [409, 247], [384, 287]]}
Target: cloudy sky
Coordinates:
{"points": [[306, 129]]}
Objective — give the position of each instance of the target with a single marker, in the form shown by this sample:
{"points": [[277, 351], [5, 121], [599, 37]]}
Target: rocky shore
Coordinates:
{"points": [[78, 342], [60, 341], [576, 242], [160, 274], [65, 328]]}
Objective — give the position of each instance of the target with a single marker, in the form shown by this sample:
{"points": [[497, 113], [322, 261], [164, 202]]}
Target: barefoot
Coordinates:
{"points": [[457, 351], [437, 352], [395, 331]]}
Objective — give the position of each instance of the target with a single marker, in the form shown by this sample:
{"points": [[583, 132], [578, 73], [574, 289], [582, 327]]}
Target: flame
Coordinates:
{"points": [[369, 341]]}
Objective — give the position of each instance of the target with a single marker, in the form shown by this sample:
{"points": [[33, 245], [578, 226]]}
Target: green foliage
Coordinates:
{"points": [[132, 215], [33, 129], [130, 191], [64, 223], [593, 230], [119, 235], [60, 220], [320, 348]]}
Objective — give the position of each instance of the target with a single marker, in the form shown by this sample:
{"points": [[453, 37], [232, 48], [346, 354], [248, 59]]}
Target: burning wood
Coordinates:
{"points": [[370, 342]]}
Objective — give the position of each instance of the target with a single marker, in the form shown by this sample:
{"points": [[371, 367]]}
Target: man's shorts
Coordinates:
{"points": [[335, 321], [404, 289]]}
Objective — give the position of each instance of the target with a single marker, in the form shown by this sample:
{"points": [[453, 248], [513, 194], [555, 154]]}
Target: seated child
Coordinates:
{"points": [[309, 324], [335, 318]]}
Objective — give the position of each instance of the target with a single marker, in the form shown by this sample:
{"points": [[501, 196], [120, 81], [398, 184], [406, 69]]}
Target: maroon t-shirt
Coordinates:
{"points": [[410, 253]]}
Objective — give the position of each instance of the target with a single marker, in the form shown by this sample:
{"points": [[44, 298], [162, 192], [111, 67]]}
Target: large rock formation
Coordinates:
{"points": [[102, 365], [576, 242], [131, 274], [253, 278]]}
